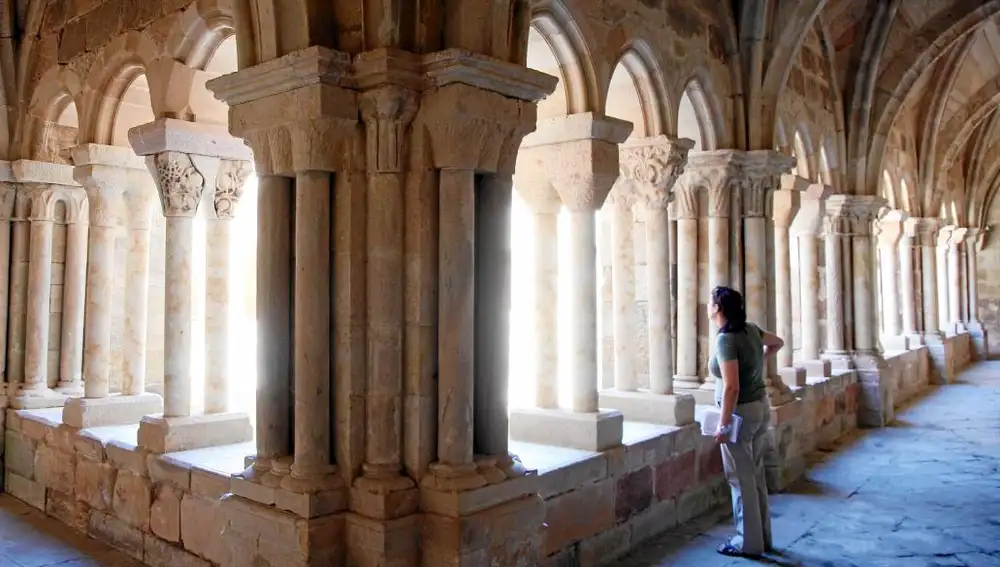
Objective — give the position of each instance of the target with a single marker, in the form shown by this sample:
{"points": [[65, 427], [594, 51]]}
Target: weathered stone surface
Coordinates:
{"points": [[159, 553], [634, 493], [580, 514], [165, 513], [95, 483], [132, 499], [119, 534], [27, 491], [67, 509], [201, 527], [19, 454], [55, 469], [676, 476]]}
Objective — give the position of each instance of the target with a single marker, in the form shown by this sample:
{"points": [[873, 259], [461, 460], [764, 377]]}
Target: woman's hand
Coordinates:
{"points": [[721, 438]]}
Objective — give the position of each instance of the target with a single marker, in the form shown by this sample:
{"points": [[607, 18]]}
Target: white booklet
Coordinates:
{"points": [[710, 424]]}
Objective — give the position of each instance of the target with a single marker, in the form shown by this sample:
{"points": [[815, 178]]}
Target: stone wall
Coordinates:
{"points": [[988, 261], [910, 374]]}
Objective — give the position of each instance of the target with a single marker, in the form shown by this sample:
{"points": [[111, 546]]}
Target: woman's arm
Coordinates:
{"points": [[772, 343], [730, 371]]}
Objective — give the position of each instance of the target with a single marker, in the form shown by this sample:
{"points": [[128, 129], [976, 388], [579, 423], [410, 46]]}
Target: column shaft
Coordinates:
{"points": [[546, 312], [972, 275], [136, 300], [218, 301], [928, 258], [864, 340], [275, 250], [661, 379], [623, 295], [177, 318], [6, 274], [97, 320], [810, 312], [19, 265], [941, 271], [834, 292], [755, 294], [687, 303], [954, 288], [890, 291], [718, 273], [783, 293], [74, 302], [39, 295], [311, 344], [906, 284], [456, 316], [583, 310]]}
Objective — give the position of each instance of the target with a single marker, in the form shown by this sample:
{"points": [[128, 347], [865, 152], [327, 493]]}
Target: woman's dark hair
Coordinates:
{"points": [[730, 303]]}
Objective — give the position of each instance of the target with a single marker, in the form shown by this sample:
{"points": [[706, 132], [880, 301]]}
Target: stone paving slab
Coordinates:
{"points": [[924, 492]]}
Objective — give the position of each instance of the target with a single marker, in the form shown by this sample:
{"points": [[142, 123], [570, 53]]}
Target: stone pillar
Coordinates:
{"points": [[973, 242], [941, 261], [928, 238], [74, 300], [785, 205], [578, 157], [652, 166], [955, 281], [762, 175], [620, 200], [18, 295], [110, 175], [836, 233], [721, 180], [184, 158], [139, 201], [907, 283], [229, 183], [8, 195], [889, 234], [686, 213], [807, 227]]}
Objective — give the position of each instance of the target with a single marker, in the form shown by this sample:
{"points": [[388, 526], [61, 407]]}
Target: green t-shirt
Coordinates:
{"points": [[747, 348]]}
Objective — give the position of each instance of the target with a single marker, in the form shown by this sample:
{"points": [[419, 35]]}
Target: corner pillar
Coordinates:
{"points": [[807, 228], [785, 204]]}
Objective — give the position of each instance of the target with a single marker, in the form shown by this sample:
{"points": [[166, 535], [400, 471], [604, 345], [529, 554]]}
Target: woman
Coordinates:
{"points": [[741, 352]]}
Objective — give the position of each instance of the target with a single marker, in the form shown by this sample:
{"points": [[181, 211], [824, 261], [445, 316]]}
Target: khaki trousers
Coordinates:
{"points": [[743, 462]]}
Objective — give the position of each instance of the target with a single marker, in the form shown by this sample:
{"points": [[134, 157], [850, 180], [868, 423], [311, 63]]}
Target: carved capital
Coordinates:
{"points": [[762, 171], [925, 230], [229, 183], [891, 226], [622, 194], [653, 165], [8, 195], [387, 112], [856, 213], [179, 183], [785, 205], [685, 204]]}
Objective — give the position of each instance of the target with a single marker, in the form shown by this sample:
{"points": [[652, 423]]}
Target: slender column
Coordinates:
{"points": [[661, 379], [972, 276], [139, 201], [907, 287], [623, 285], [583, 310], [19, 264], [686, 209], [8, 195], [720, 196], [863, 290], [39, 294], [810, 312], [955, 281], [927, 230], [275, 250], [941, 261], [889, 235], [218, 295], [546, 309], [74, 301], [456, 316], [834, 286], [784, 206], [104, 218], [311, 344], [180, 185]]}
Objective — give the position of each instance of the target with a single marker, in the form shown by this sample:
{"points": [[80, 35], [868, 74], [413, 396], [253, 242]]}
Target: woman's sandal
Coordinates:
{"points": [[733, 551]]}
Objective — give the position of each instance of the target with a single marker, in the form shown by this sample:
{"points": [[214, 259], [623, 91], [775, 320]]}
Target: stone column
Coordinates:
{"points": [[229, 183], [108, 173], [720, 181], [74, 300], [653, 166], [927, 236], [907, 283], [8, 195], [762, 175], [578, 157], [184, 158], [18, 295], [34, 392], [941, 261], [621, 200], [686, 211], [955, 281], [973, 241], [889, 235], [784, 206], [837, 232], [139, 201], [808, 226], [387, 113]]}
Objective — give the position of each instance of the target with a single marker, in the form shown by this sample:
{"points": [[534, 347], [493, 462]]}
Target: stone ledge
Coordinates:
{"points": [[160, 434], [563, 428], [676, 409], [84, 413]]}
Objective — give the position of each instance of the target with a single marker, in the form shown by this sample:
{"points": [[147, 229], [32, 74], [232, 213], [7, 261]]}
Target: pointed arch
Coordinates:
{"points": [[706, 111], [58, 93], [553, 21], [647, 79]]}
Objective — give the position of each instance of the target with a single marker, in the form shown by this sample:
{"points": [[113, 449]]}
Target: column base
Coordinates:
{"points": [[112, 410], [687, 382], [662, 409], [941, 351], [596, 431], [839, 360], [897, 343], [793, 376], [160, 434], [73, 389], [817, 369], [37, 397]]}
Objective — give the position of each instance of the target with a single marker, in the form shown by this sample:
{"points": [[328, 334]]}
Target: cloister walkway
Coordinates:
{"points": [[923, 492]]}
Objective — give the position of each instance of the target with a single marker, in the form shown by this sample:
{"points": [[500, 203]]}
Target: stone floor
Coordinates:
{"points": [[921, 493], [924, 492]]}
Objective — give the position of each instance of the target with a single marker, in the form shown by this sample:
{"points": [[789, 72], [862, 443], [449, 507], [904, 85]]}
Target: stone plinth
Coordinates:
{"points": [[588, 431], [664, 409], [793, 376], [897, 343], [160, 434], [113, 410], [261, 535], [817, 368], [876, 407]]}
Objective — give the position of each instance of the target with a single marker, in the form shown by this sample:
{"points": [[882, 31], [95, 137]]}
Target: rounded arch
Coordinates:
{"points": [[552, 22], [199, 32], [888, 191], [827, 165], [55, 103], [803, 153], [695, 114], [646, 78], [116, 69]]}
